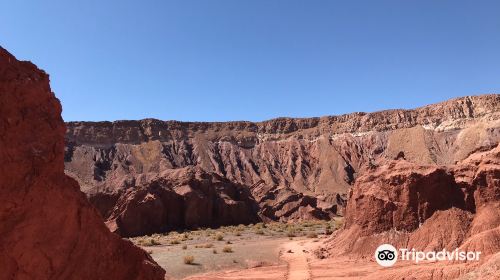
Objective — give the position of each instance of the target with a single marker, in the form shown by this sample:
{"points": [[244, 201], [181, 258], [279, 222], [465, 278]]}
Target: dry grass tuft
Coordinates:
{"points": [[219, 236], [227, 249], [312, 235], [207, 245], [188, 259], [174, 242], [149, 242]]}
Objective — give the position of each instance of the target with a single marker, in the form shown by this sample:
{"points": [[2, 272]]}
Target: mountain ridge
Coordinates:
{"points": [[305, 166]]}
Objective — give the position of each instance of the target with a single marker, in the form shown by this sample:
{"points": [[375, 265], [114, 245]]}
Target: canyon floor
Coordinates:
{"points": [[286, 259], [228, 250], [287, 251]]}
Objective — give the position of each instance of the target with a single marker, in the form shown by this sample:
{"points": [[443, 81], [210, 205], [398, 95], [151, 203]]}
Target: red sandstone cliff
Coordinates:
{"points": [[48, 229], [294, 168], [428, 208]]}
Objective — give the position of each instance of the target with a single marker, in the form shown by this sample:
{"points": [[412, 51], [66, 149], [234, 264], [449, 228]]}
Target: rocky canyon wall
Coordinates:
{"points": [[293, 168], [48, 229], [426, 208]]}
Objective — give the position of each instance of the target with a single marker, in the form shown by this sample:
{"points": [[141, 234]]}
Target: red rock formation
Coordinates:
{"points": [[294, 168], [181, 198], [401, 195], [48, 229], [427, 208]]}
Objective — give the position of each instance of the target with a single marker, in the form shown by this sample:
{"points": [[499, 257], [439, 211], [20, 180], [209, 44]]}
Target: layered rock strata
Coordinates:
{"points": [[293, 168]]}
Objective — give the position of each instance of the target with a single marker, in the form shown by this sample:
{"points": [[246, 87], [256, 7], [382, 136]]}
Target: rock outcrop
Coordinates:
{"points": [[294, 168], [48, 229], [178, 198], [401, 195], [428, 208]]}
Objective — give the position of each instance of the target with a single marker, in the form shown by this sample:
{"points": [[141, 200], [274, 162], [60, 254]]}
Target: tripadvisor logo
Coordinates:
{"points": [[387, 255]]}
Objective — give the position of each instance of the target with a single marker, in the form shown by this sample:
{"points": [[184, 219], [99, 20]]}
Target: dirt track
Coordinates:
{"points": [[296, 257]]}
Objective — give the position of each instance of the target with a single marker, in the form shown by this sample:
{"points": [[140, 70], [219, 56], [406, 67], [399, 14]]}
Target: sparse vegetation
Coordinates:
{"points": [[219, 236], [174, 242], [338, 222], [312, 235], [206, 245], [189, 259], [149, 242]]}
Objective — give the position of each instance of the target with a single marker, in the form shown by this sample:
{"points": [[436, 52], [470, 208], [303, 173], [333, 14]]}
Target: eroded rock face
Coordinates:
{"points": [[428, 208], [179, 198], [401, 195], [294, 168], [48, 229]]}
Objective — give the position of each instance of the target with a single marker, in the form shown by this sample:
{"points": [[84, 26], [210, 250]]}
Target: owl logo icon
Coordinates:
{"points": [[386, 255]]}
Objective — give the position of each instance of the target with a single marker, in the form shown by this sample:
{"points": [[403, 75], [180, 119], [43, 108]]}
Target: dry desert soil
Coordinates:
{"points": [[237, 248]]}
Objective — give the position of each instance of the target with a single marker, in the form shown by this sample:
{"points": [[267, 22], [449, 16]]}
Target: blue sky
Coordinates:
{"points": [[254, 59]]}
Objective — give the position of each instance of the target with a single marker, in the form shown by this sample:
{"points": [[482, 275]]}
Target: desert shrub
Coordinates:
{"points": [[188, 259], [241, 227], [219, 236], [148, 242], [207, 245], [291, 233], [312, 235], [214, 251], [184, 247], [174, 242], [338, 222], [227, 249], [259, 232], [260, 225]]}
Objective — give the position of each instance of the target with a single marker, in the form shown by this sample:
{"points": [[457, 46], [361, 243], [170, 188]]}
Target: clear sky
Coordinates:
{"points": [[215, 60]]}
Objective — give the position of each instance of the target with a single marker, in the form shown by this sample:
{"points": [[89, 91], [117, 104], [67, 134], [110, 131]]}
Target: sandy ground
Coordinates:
{"points": [[256, 251], [300, 264], [297, 258], [294, 256], [250, 253]]}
